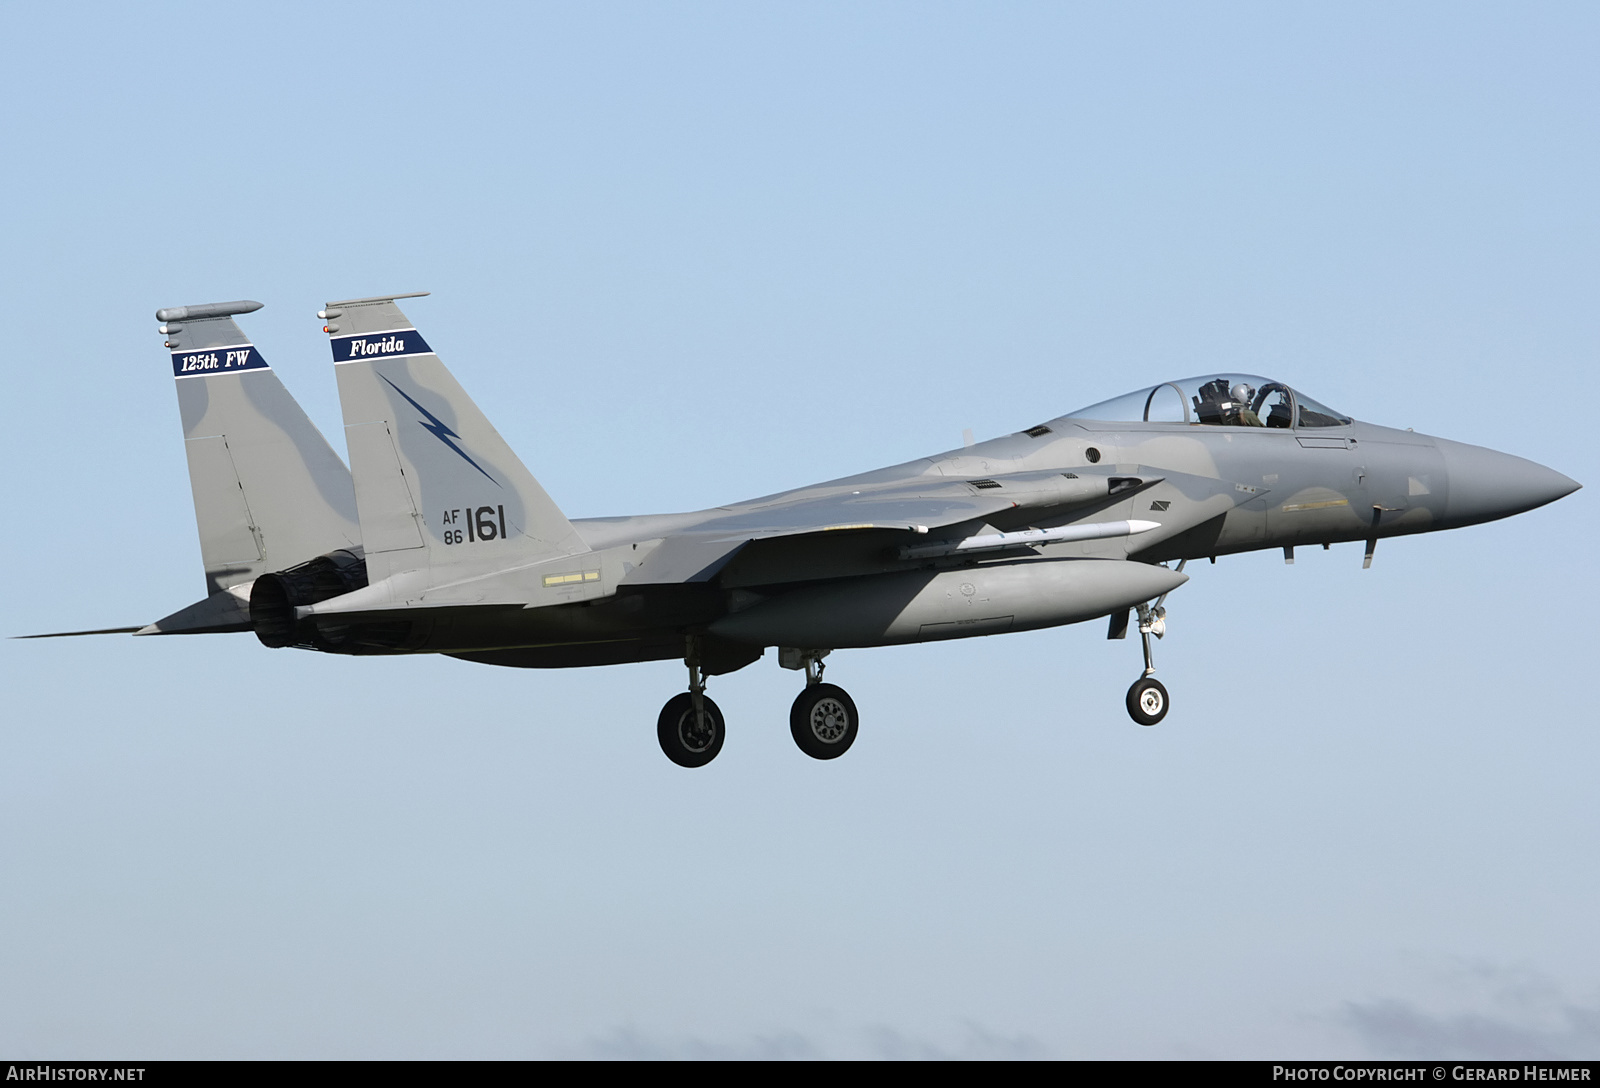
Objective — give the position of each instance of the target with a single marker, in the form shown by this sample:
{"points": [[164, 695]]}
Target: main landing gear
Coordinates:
{"points": [[690, 727], [1147, 699], [822, 720]]}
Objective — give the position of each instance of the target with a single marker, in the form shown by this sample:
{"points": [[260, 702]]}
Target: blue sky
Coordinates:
{"points": [[686, 254]]}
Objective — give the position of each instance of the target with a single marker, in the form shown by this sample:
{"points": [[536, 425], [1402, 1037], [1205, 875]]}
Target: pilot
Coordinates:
{"points": [[1243, 394]]}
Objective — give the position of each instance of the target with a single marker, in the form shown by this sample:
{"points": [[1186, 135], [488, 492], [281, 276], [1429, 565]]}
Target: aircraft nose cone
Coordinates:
{"points": [[1486, 484]]}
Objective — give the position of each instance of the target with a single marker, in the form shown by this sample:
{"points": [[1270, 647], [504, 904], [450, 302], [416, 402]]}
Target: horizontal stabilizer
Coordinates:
{"points": [[225, 611], [228, 610]]}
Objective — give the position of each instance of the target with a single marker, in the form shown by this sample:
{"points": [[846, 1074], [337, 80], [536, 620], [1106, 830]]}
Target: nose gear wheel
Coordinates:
{"points": [[1147, 701]]}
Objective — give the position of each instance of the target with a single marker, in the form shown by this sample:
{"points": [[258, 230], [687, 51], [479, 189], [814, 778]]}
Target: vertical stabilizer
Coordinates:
{"points": [[269, 492], [436, 485]]}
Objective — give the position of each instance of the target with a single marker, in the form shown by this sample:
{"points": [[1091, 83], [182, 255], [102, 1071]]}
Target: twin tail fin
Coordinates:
{"points": [[269, 492], [436, 486]]}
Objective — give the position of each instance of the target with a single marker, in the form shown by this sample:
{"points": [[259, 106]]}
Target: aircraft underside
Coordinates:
{"points": [[716, 631]]}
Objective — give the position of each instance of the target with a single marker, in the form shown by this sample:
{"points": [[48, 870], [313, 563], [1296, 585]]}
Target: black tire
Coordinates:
{"points": [[823, 721], [1147, 701], [683, 741]]}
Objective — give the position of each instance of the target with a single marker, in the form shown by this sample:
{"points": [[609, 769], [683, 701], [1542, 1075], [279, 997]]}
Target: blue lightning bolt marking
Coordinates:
{"points": [[436, 427]]}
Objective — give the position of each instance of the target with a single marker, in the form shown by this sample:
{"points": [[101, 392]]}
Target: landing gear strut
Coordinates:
{"points": [[1148, 699], [823, 718], [690, 727]]}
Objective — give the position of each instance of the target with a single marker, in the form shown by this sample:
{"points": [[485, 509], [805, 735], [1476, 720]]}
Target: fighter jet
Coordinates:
{"points": [[437, 539]]}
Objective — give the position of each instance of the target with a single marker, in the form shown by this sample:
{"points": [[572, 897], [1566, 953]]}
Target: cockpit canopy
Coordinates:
{"points": [[1217, 400]]}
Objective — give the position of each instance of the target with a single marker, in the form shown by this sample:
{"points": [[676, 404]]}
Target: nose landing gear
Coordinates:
{"points": [[1147, 698]]}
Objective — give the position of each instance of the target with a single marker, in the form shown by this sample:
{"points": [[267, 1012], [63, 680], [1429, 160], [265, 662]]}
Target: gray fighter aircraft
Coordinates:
{"points": [[437, 539]]}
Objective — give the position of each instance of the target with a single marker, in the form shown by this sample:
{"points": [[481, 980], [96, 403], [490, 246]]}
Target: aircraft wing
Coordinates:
{"points": [[841, 528]]}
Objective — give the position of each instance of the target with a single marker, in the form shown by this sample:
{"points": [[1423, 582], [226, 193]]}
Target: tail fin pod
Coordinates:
{"points": [[435, 483], [269, 492]]}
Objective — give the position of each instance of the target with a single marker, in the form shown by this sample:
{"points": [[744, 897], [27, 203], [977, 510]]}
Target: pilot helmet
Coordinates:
{"points": [[1244, 393]]}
